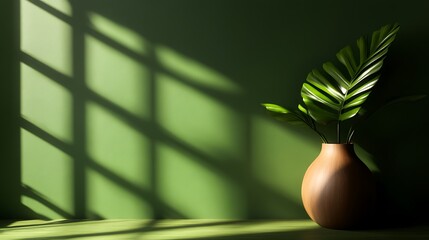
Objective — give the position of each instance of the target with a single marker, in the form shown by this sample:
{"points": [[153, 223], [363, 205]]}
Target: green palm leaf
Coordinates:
{"points": [[284, 114], [337, 93], [293, 117]]}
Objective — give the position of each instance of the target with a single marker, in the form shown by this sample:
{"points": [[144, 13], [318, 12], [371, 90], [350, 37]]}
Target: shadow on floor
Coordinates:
{"points": [[199, 229]]}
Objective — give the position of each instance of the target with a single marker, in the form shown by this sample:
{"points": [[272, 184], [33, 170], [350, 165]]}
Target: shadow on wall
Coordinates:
{"points": [[9, 108], [151, 110], [397, 135], [117, 125]]}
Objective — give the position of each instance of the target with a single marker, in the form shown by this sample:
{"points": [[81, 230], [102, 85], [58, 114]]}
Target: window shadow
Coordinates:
{"points": [[33, 194], [236, 172], [215, 230], [10, 175], [225, 53]]}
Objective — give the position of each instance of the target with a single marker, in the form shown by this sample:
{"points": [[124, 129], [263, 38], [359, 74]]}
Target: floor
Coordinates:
{"points": [[194, 229]]}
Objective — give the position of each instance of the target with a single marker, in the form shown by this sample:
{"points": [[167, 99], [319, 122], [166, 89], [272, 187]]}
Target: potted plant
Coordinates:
{"points": [[338, 189]]}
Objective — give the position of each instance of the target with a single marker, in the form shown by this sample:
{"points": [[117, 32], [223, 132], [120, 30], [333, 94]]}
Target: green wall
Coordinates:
{"points": [[150, 109], [10, 188]]}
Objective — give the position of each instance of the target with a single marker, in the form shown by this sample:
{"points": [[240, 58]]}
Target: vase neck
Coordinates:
{"points": [[338, 148]]}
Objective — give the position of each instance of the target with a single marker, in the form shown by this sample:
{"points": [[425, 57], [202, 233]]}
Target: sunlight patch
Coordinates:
{"points": [[195, 72], [46, 104], [117, 146], [117, 78], [121, 34], [49, 171], [60, 5], [196, 189], [46, 38], [197, 120]]}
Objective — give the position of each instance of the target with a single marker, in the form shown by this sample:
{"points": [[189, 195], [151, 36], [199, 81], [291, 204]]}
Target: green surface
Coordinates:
{"points": [[194, 229], [151, 109]]}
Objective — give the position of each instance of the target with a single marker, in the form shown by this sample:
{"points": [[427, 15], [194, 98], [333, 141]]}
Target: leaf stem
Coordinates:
{"points": [[312, 124], [338, 132], [320, 134], [352, 132]]}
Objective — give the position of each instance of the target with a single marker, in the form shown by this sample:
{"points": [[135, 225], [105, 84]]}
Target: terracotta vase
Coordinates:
{"points": [[338, 189]]}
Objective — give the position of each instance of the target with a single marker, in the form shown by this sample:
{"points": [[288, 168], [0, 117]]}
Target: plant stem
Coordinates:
{"points": [[338, 132], [348, 139], [312, 124], [351, 136], [324, 140]]}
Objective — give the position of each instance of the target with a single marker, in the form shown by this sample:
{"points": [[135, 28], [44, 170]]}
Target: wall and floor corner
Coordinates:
{"points": [[139, 109], [9, 105]]}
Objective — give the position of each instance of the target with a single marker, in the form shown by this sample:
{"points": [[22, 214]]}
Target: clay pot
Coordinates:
{"points": [[338, 189]]}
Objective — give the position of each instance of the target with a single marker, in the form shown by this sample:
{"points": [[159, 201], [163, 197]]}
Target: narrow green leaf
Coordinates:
{"points": [[375, 41], [309, 92], [373, 60], [383, 33], [345, 56], [333, 89], [368, 72], [303, 109], [330, 68], [364, 87], [275, 108], [357, 101], [349, 114], [283, 114], [326, 87], [389, 35], [361, 43], [319, 114]]}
